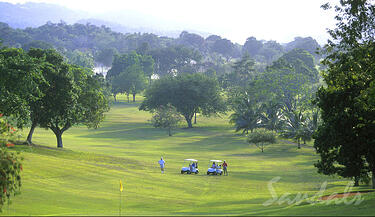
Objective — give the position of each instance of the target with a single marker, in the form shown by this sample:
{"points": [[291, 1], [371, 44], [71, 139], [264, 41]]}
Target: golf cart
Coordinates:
{"points": [[215, 168], [191, 168]]}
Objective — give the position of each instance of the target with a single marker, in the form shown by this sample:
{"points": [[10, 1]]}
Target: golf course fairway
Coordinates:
{"points": [[83, 177]]}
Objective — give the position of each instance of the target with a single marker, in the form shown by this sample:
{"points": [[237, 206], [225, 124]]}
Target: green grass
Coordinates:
{"points": [[83, 178]]}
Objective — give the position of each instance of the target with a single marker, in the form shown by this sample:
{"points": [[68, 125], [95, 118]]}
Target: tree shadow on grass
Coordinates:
{"points": [[215, 142], [127, 131], [123, 104], [76, 155], [278, 150]]}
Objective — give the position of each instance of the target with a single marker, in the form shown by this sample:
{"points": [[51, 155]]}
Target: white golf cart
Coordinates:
{"points": [[191, 168], [215, 168]]}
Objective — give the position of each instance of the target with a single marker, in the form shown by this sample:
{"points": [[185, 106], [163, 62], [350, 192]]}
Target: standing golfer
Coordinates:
{"points": [[225, 168], [162, 164]]}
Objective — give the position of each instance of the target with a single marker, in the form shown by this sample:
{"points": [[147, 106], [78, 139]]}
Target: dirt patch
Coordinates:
{"points": [[342, 195]]}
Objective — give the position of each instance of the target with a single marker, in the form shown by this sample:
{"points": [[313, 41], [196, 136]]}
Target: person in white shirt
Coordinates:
{"points": [[162, 164]]}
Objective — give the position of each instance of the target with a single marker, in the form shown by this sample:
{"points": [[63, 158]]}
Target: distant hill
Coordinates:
{"points": [[36, 14], [127, 29]]}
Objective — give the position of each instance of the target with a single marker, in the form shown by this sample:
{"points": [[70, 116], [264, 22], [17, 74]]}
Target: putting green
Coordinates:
{"points": [[83, 178]]}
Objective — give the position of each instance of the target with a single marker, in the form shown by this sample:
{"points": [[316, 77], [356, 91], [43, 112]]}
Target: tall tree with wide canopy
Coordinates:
{"points": [[345, 139], [188, 93], [73, 96]]}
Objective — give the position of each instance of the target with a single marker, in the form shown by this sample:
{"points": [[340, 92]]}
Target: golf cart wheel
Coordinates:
{"points": [[182, 172], [188, 172], [208, 173], [221, 173], [196, 172]]}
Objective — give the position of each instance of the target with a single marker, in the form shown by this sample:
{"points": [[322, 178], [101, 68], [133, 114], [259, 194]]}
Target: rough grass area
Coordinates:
{"points": [[83, 178]]}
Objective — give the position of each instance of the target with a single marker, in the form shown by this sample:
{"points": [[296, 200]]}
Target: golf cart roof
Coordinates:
{"points": [[217, 161], [191, 160]]}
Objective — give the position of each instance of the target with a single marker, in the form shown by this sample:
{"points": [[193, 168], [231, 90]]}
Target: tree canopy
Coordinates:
{"points": [[188, 93]]}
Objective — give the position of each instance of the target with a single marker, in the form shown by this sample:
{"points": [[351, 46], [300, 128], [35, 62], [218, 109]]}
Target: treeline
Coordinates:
{"points": [[90, 45]]}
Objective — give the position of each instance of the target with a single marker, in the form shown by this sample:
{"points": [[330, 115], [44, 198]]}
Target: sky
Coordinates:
{"points": [[279, 20]]}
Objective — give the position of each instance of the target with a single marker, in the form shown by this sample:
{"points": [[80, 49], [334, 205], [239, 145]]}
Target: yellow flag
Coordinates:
{"points": [[121, 188]]}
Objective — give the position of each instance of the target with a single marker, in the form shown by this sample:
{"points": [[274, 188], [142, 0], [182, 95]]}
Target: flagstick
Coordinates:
{"points": [[120, 203]]}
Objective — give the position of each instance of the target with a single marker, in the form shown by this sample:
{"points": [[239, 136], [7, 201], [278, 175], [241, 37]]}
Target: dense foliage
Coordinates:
{"points": [[100, 44], [10, 163], [20, 77], [345, 140], [278, 99]]}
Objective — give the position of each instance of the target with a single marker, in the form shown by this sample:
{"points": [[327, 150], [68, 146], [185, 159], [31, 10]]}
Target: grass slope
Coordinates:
{"points": [[83, 178]]}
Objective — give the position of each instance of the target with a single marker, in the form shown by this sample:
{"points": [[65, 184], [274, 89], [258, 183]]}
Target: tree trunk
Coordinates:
{"points": [[356, 181], [30, 136], [133, 97], [114, 96], [169, 131], [128, 97], [262, 147], [373, 178], [59, 140], [188, 120], [299, 144], [195, 118]]}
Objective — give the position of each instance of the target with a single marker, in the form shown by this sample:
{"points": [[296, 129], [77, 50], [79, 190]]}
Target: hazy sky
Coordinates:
{"points": [[236, 20]]}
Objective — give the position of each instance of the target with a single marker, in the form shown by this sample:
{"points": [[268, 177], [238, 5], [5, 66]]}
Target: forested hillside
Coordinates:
{"points": [[86, 44]]}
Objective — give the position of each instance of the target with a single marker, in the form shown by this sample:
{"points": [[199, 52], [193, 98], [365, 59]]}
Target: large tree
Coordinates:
{"points": [[73, 96], [20, 77], [127, 74], [345, 140], [188, 93]]}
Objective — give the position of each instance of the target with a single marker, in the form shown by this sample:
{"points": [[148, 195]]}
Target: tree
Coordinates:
{"points": [[166, 117], [20, 78], [73, 96], [243, 72], [191, 40], [175, 59], [81, 59], [252, 46], [224, 47], [127, 74], [135, 80], [261, 137], [345, 138], [308, 44], [294, 126], [188, 93], [148, 66], [270, 115], [105, 57], [246, 115]]}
